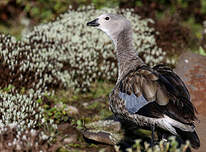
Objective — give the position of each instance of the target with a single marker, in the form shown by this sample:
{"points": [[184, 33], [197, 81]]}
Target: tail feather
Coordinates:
{"points": [[191, 136]]}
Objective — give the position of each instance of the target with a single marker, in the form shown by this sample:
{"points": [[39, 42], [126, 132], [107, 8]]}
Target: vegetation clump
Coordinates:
{"points": [[84, 58], [163, 146], [65, 53], [22, 124]]}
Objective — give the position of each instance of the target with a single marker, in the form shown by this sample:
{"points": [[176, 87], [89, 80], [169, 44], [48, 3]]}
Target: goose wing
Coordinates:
{"points": [[154, 92]]}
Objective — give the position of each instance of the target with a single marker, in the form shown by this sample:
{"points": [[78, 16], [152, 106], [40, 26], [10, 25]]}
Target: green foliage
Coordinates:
{"points": [[105, 3], [83, 57], [100, 89], [57, 114], [203, 6], [182, 3], [15, 31], [138, 3], [202, 51], [163, 146], [44, 10], [196, 28], [8, 89], [79, 124], [4, 2]]}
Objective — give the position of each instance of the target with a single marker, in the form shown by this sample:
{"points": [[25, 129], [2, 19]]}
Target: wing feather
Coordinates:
{"points": [[160, 84], [179, 95]]}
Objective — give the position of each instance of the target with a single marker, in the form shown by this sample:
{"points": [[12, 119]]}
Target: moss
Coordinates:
{"points": [[200, 51], [105, 113], [196, 28], [97, 108], [62, 150], [101, 89], [15, 31]]}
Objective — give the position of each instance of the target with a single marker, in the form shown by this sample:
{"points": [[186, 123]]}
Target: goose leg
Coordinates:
{"points": [[152, 140]]}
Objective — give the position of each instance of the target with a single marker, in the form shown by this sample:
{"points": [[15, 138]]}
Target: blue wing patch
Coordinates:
{"points": [[133, 103]]}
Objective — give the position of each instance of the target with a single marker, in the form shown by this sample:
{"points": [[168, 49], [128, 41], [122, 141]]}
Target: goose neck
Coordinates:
{"points": [[126, 54]]}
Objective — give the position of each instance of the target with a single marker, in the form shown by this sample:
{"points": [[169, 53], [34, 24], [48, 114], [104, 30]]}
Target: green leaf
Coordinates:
{"points": [[35, 11], [39, 101], [79, 122], [202, 51]]}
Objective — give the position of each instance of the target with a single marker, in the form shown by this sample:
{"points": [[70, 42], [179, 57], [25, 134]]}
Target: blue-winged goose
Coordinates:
{"points": [[154, 97]]}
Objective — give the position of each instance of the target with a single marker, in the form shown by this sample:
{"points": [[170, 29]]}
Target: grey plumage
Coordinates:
{"points": [[144, 95], [133, 103]]}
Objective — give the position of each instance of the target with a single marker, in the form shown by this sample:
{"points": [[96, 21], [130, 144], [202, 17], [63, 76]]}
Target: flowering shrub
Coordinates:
{"points": [[82, 55], [66, 53], [29, 140], [22, 124], [29, 116], [28, 64]]}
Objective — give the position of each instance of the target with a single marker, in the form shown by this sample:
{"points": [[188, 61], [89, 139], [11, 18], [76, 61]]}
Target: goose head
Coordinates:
{"points": [[111, 24]]}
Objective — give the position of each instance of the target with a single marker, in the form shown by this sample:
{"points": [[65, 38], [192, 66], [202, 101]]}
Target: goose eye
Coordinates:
{"points": [[106, 18]]}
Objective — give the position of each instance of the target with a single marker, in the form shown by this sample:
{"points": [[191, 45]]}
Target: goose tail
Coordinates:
{"points": [[191, 136]]}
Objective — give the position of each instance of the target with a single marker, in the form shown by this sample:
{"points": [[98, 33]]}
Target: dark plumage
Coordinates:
{"points": [[147, 96], [165, 94]]}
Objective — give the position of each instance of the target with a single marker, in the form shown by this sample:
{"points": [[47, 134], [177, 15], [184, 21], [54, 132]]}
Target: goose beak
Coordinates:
{"points": [[93, 23]]}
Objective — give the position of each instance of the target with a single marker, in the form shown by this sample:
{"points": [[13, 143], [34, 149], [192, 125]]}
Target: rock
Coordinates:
{"points": [[72, 110], [192, 69], [104, 131], [102, 136], [18, 147], [85, 104], [105, 125], [70, 139], [114, 132]]}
